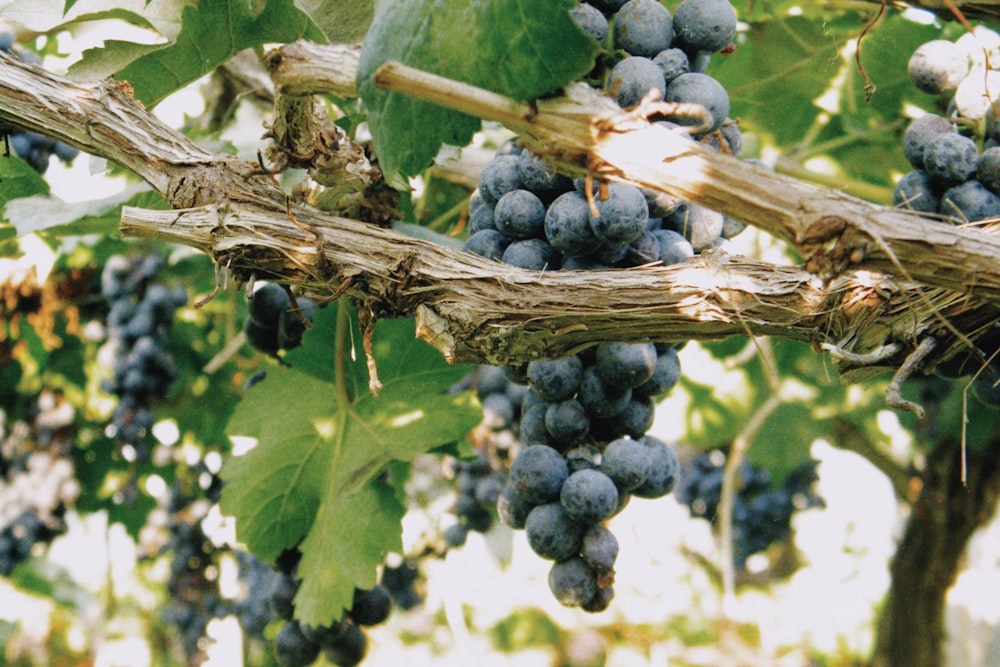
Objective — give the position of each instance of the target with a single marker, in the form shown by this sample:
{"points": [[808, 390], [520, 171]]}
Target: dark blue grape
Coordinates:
{"points": [[673, 63], [643, 28], [488, 243], [512, 509], [555, 379], [599, 549], [920, 133], [589, 496], [666, 374], [519, 214], [601, 399], [349, 649], [567, 423], [531, 254], [292, 649], [267, 303], [916, 191], [371, 607], [539, 177], [633, 79], [538, 474], [969, 202], [663, 469], [551, 533], [499, 176], [625, 364], [601, 600], [621, 217], [674, 248], [591, 21], [705, 26], [988, 169], [572, 582], [567, 226], [697, 88], [626, 462], [951, 158]]}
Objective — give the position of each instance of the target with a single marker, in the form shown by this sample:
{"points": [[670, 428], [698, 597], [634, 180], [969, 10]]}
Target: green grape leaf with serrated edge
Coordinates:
{"points": [[212, 32], [519, 48], [322, 441]]}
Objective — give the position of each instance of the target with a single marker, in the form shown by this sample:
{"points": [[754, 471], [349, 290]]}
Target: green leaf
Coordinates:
{"points": [[341, 22], [520, 48], [321, 444], [97, 216], [792, 60], [18, 179], [212, 32], [47, 16]]}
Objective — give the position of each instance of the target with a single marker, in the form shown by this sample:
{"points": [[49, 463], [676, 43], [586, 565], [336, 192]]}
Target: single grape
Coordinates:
{"points": [[591, 21], [988, 169], [567, 226], [488, 243], [572, 582], [349, 649], [633, 79], [567, 423], [531, 254], [666, 374], [589, 496], [599, 549], [621, 217], [601, 600], [937, 67], [626, 462], [601, 399], [292, 649], [519, 214], [371, 607], [673, 63], [512, 509], [539, 177], [916, 191], [551, 533], [267, 303], [919, 134], [538, 474], [674, 248], [625, 364], [969, 202], [499, 176], [705, 26], [951, 158], [697, 88], [643, 28], [555, 379], [663, 469], [701, 226]]}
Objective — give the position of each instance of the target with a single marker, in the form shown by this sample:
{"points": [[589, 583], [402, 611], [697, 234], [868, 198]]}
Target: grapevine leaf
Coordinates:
{"points": [[47, 16], [341, 22], [311, 479], [212, 32], [774, 65], [18, 179], [519, 48], [96, 216]]}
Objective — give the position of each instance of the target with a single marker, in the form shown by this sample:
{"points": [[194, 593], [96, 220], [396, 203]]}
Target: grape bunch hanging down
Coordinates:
{"points": [[33, 148], [270, 595], [582, 423], [955, 157], [37, 479], [138, 323], [762, 513]]}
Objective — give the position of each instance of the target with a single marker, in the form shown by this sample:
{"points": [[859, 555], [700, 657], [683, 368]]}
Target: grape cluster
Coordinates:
{"points": [[37, 479], [31, 147], [270, 595], [138, 322], [956, 163], [761, 513], [273, 321], [582, 422], [192, 586]]}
